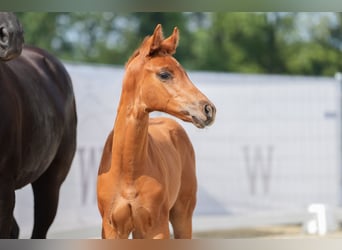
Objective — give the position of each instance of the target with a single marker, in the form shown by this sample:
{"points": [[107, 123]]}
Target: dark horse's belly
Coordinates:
{"points": [[45, 113]]}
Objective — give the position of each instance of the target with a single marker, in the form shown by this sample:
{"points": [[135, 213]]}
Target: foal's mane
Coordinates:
{"points": [[136, 52]]}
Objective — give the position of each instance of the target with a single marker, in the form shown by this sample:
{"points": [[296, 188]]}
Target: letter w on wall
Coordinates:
{"points": [[89, 161], [258, 162]]}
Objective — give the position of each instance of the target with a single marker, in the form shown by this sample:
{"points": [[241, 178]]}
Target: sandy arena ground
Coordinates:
{"points": [[281, 232], [291, 231]]}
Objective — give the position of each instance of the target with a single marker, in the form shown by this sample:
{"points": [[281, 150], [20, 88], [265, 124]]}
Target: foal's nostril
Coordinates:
{"points": [[208, 110]]}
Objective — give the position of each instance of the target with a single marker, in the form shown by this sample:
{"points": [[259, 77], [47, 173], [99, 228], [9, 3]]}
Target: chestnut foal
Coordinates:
{"points": [[147, 173]]}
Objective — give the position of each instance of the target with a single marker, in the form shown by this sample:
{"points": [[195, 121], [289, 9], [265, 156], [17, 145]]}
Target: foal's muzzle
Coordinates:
{"points": [[205, 117]]}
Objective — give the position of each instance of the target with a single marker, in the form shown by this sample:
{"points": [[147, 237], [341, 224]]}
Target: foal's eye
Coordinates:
{"points": [[164, 75]]}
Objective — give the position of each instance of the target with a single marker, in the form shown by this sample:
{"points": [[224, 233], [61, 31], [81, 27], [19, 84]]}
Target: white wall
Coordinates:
{"points": [[275, 145]]}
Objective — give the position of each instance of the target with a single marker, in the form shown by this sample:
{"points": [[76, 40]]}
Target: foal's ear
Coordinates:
{"points": [[152, 43], [170, 44], [157, 38]]}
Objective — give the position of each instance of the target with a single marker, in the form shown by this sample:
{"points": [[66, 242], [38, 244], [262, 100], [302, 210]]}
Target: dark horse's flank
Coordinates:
{"points": [[37, 128]]}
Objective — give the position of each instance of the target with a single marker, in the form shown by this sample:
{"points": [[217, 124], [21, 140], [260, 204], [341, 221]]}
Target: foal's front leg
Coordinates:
{"points": [[108, 231], [117, 222], [151, 225], [160, 232]]}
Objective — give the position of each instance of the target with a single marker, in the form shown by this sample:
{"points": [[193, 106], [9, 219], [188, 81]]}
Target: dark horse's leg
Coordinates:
{"points": [[14, 229], [46, 194], [7, 199], [46, 188]]}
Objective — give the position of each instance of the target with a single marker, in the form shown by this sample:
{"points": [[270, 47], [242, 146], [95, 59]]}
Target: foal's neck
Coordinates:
{"points": [[130, 139]]}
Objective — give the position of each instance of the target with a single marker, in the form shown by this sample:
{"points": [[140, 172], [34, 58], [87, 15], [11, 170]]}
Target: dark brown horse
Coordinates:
{"points": [[37, 128]]}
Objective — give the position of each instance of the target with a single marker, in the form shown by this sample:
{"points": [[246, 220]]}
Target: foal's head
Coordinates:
{"points": [[11, 36], [161, 84]]}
